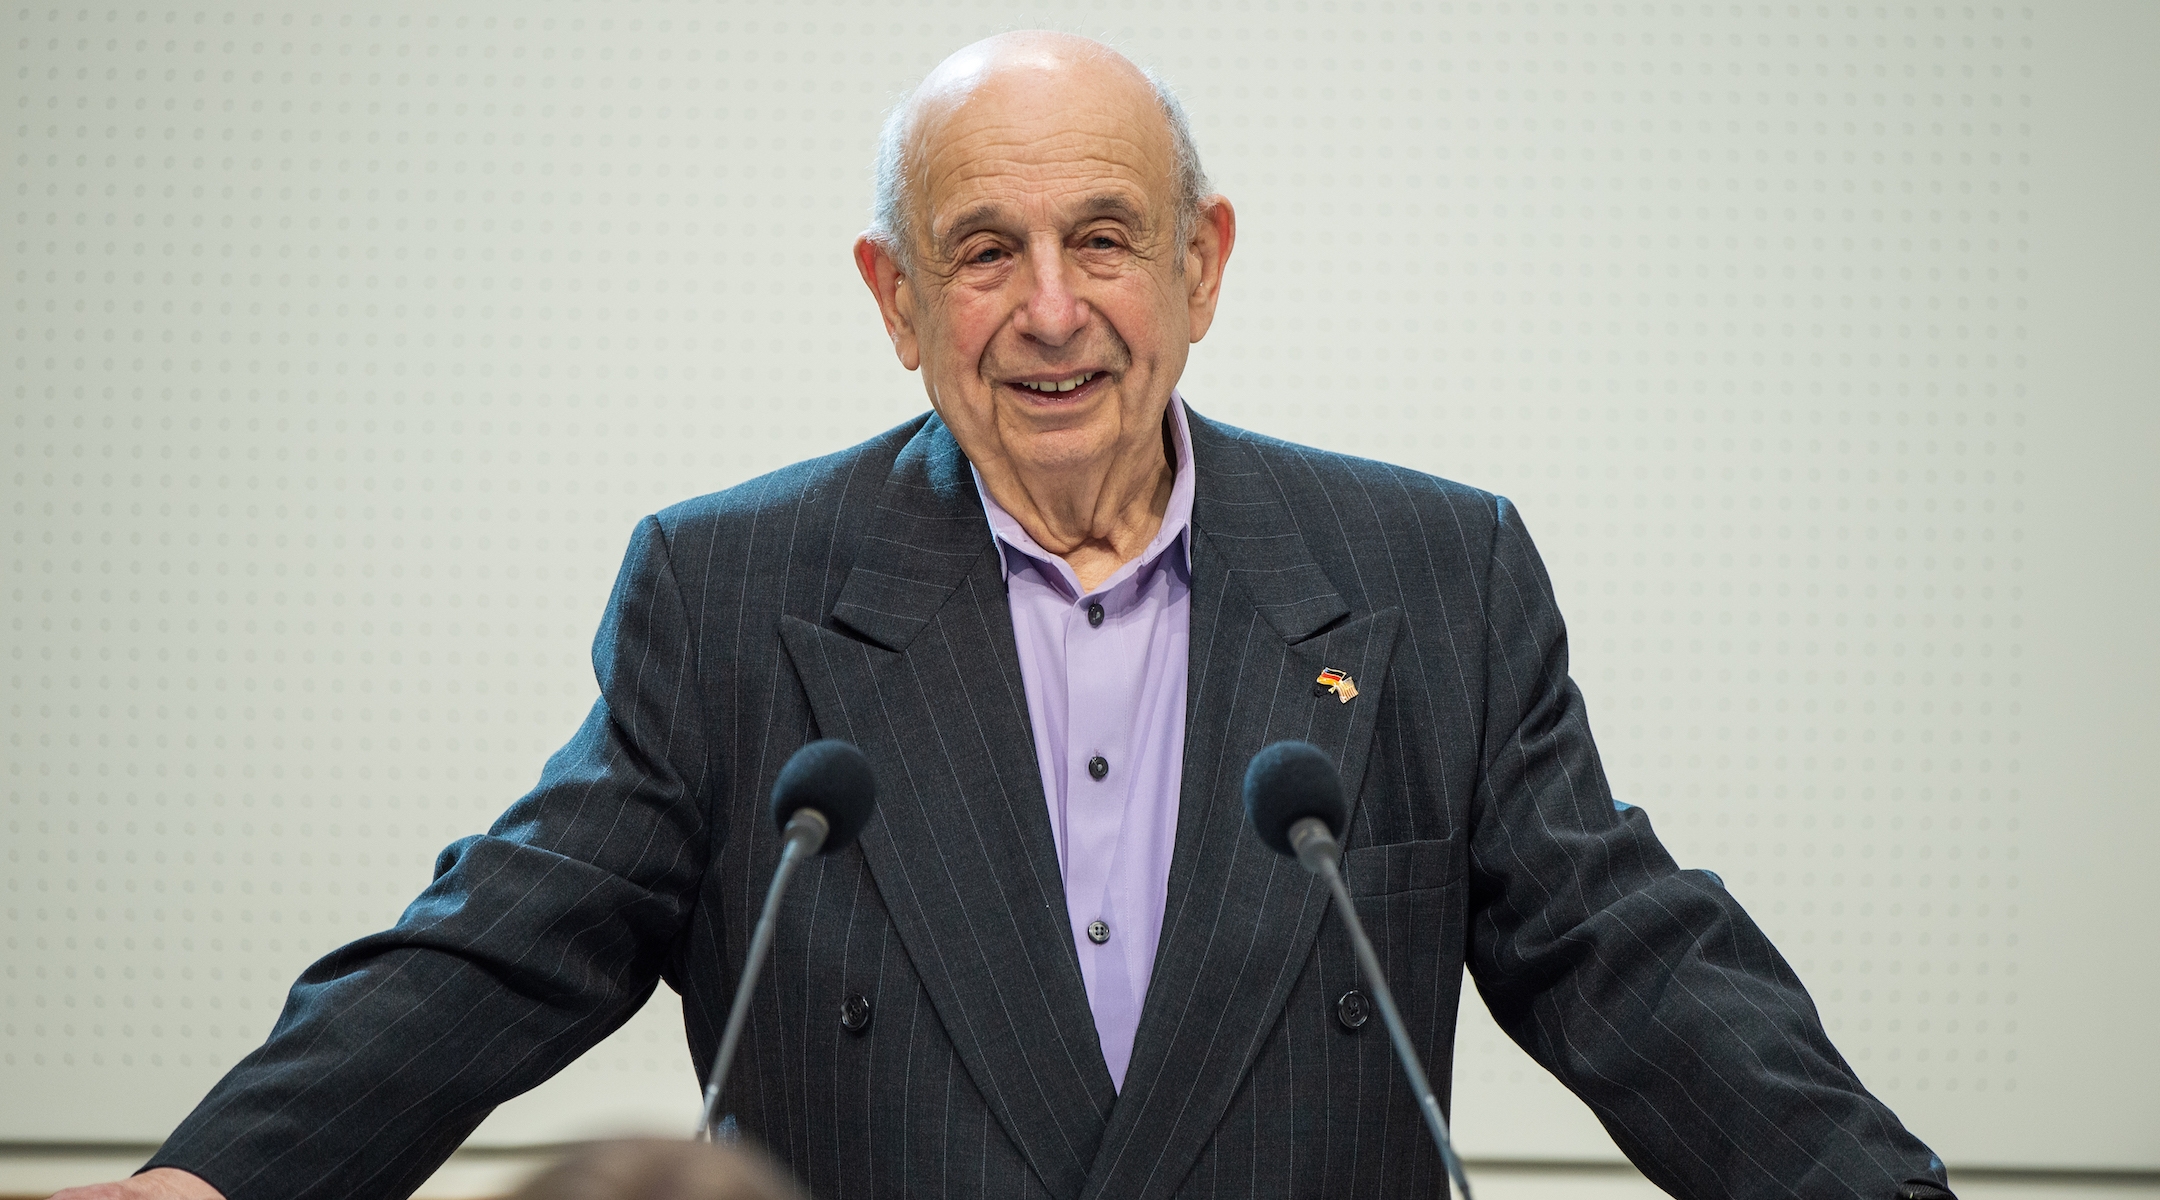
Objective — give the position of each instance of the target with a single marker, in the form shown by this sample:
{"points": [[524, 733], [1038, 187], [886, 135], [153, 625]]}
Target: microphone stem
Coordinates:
{"points": [[804, 834], [1324, 865]]}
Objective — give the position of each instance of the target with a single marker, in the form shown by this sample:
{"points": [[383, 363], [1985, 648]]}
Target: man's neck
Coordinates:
{"points": [[1099, 520]]}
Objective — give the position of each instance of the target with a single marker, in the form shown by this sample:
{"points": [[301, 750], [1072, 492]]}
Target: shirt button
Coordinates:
{"points": [[1098, 932], [1098, 766], [1095, 614]]}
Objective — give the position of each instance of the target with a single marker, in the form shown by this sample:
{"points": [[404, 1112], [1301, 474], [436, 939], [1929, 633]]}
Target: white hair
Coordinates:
{"points": [[892, 202]]}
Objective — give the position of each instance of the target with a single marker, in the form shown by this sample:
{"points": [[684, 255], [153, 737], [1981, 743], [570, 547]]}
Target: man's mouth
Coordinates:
{"points": [[1054, 386]]}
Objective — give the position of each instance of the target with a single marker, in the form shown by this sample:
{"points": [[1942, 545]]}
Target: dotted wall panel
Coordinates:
{"points": [[346, 343]]}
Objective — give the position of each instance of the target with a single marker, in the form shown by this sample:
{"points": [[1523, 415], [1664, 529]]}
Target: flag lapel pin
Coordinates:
{"points": [[1332, 680]]}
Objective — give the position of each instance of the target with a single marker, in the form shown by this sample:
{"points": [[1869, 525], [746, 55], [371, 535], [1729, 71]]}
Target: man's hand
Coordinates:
{"points": [[165, 1183]]}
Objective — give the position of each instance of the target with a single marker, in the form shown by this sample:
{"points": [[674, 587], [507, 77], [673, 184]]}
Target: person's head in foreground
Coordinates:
{"points": [[653, 1169]]}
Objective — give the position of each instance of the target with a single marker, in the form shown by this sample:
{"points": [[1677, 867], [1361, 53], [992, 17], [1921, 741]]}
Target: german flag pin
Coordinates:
{"points": [[1332, 680]]}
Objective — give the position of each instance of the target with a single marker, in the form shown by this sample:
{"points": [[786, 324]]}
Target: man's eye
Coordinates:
{"points": [[987, 255], [1102, 242]]}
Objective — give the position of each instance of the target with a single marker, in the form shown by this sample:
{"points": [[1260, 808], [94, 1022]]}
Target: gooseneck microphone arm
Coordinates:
{"points": [[1294, 802], [1318, 853], [803, 837], [821, 800]]}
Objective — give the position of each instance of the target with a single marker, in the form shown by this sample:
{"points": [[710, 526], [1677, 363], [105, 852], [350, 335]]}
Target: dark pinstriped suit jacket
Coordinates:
{"points": [[858, 596]]}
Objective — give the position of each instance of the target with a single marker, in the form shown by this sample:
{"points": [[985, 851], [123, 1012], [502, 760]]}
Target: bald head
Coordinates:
{"points": [[1004, 77]]}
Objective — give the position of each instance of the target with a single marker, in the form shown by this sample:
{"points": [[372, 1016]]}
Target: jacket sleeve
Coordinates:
{"points": [[1646, 989], [535, 941]]}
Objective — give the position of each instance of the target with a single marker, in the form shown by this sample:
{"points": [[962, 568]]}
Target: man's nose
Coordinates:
{"points": [[1050, 313]]}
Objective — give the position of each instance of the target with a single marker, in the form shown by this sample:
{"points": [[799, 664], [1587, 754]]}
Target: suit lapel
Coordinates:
{"points": [[1239, 921], [960, 846]]}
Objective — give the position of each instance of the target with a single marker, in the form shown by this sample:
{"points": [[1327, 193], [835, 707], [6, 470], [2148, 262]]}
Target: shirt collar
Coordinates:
{"points": [[1176, 523]]}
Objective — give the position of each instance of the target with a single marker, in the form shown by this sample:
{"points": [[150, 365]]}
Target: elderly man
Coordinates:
{"points": [[1059, 615]]}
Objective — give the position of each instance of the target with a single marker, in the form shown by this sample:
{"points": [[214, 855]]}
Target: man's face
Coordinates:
{"points": [[1050, 305]]}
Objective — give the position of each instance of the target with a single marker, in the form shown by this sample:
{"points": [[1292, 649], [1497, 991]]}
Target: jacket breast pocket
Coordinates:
{"points": [[1410, 898], [1400, 867]]}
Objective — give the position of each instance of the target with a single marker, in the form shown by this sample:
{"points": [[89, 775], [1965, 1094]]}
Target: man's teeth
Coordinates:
{"points": [[1062, 385]]}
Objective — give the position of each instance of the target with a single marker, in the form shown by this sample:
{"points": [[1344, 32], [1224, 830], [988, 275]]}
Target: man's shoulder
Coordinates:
{"points": [[820, 489], [1386, 535]]}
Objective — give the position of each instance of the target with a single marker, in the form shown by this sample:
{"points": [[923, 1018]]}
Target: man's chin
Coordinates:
{"points": [[1079, 423], [1044, 435], [1061, 451]]}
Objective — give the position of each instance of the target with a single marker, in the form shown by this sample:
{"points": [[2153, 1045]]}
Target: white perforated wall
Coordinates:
{"points": [[347, 342]]}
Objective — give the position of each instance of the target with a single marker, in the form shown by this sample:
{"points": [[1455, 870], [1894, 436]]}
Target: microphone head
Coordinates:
{"points": [[832, 777], [1286, 783]]}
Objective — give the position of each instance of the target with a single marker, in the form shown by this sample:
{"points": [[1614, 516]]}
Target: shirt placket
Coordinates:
{"points": [[1099, 778]]}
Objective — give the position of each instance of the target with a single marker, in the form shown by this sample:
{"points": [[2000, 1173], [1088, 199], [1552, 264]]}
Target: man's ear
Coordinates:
{"points": [[895, 297], [1206, 255]]}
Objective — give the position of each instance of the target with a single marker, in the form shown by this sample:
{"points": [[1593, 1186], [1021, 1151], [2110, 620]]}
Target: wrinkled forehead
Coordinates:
{"points": [[1044, 146]]}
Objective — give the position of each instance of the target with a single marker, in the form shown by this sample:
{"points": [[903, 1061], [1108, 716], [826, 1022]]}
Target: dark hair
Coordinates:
{"points": [[656, 1169]]}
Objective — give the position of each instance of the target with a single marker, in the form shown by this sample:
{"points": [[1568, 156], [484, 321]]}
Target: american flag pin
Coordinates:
{"points": [[1332, 680]]}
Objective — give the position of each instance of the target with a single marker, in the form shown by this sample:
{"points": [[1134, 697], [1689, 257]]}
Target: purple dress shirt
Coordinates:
{"points": [[1105, 679]]}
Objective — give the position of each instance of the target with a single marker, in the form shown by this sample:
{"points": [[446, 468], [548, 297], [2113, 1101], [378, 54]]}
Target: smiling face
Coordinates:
{"points": [[1049, 304]]}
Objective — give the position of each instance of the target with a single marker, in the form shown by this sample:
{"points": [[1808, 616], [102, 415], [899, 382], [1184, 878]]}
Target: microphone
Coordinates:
{"points": [[1294, 800], [820, 802]]}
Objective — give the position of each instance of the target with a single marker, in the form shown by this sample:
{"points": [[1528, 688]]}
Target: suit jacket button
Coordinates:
{"points": [[1352, 1010], [855, 1012]]}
